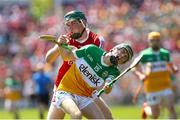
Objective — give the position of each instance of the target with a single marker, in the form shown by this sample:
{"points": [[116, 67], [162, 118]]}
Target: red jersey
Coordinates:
{"points": [[92, 39]]}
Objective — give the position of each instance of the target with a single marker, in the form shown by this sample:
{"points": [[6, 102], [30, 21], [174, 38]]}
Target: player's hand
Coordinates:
{"points": [[63, 39], [107, 88], [142, 77], [148, 68]]}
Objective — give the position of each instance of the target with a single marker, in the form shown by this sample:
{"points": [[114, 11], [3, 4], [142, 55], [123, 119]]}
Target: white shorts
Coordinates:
{"points": [[11, 105], [154, 98], [80, 101]]}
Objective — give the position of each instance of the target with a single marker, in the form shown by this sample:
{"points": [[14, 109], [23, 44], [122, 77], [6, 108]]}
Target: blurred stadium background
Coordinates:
{"points": [[22, 21]]}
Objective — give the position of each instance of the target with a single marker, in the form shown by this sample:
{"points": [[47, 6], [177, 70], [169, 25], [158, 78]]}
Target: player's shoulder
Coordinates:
{"points": [[163, 50], [92, 35], [95, 36], [93, 49], [146, 51]]}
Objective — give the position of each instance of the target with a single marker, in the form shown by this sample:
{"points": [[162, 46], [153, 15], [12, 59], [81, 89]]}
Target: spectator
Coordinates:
{"points": [[43, 83]]}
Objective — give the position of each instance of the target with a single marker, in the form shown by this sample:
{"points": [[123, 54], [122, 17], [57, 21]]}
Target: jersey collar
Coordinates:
{"points": [[155, 52], [102, 61]]}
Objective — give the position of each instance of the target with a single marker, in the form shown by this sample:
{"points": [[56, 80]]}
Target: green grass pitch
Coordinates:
{"points": [[119, 112]]}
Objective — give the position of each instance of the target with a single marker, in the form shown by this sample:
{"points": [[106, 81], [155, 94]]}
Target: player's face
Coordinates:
{"points": [[155, 44], [73, 26], [121, 54]]}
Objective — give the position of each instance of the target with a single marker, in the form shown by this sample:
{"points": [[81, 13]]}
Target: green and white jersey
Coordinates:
{"points": [[91, 66], [13, 84], [155, 67], [157, 60], [14, 89]]}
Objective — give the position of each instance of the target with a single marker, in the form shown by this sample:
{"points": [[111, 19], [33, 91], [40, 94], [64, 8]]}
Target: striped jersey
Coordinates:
{"points": [[154, 65], [88, 72], [91, 39]]}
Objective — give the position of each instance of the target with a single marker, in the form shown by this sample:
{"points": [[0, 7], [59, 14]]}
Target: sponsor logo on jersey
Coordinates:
{"points": [[105, 74], [92, 77], [96, 68]]}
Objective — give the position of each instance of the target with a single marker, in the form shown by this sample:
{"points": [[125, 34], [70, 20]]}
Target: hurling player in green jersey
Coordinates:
{"points": [[154, 70], [78, 34], [93, 68]]}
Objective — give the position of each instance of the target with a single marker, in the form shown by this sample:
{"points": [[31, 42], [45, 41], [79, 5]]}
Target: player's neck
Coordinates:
{"points": [[106, 59], [83, 37]]}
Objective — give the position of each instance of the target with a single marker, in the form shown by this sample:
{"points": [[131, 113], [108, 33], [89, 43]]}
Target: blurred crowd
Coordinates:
{"points": [[116, 20]]}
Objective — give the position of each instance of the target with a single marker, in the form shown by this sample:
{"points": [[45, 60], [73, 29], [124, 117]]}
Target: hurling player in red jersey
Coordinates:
{"points": [[78, 35]]}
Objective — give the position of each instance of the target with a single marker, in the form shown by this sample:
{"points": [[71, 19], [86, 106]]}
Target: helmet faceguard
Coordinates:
{"points": [[114, 58], [80, 17]]}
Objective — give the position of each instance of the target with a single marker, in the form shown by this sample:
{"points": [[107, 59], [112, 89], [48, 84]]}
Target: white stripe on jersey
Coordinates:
{"points": [[101, 40]]}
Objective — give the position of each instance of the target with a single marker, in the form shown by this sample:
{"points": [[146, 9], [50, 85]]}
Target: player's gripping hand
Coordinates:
{"points": [[107, 88], [63, 40], [142, 77]]}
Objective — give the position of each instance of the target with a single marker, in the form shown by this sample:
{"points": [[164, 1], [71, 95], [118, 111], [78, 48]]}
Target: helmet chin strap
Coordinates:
{"points": [[114, 60], [77, 35]]}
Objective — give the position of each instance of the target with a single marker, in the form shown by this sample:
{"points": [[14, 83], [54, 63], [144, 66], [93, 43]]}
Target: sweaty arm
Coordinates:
{"points": [[173, 67], [52, 54], [67, 54], [56, 51], [137, 71]]}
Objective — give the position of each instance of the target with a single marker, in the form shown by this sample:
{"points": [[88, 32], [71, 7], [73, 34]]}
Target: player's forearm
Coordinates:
{"points": [[137, 73], [138, 90], [66, 54], [140, 75], [173, 67], [52, 55]]}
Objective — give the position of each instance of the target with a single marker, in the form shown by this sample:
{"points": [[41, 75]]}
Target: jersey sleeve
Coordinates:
{"points": [[169, 57], [143, 58], [166, 54], [83, 51]]}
